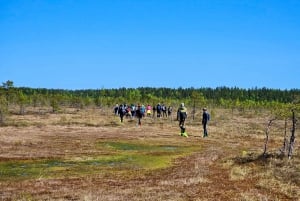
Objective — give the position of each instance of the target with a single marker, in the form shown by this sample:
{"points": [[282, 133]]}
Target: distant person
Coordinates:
{"points": [[205, 119], [158, 110], [181, 116], [148, 109], [143, 110], [139, 114], [133, 109], [128, 111], [116, 109], [122, 112], [164, 110], [154, 111], [170, 111]]}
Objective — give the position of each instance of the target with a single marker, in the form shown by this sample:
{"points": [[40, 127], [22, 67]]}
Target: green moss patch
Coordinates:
{"points": [[138, 146], [119, 157]]}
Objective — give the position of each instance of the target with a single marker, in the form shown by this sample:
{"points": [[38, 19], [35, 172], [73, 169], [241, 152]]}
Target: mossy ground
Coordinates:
{"points": [[90, 155]]}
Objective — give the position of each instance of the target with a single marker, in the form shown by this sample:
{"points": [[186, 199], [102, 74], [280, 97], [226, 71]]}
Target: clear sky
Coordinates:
{"points": [[92, 44]]}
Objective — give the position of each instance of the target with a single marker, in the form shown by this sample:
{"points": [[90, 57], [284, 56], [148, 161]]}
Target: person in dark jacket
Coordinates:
{"points": [[139, 114], [154, 111], [205, 119], [158, 110], [122, 112], [181, 116], [170, 112]]}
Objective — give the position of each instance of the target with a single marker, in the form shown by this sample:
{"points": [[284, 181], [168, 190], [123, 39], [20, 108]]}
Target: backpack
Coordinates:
{"points": [[208, 116], [182, 115], [123, 109]]}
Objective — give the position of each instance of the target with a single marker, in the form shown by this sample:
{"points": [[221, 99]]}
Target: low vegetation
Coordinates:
{"points": [[88, 154]]}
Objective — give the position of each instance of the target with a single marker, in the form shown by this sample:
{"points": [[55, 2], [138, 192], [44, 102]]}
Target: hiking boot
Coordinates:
{"points": [[182, 129]]}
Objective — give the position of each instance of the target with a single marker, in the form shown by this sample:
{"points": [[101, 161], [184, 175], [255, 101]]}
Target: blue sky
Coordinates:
{"points": [[92, 44]]}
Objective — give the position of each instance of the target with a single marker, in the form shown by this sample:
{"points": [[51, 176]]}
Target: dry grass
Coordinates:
{"points": [[151, 162]]}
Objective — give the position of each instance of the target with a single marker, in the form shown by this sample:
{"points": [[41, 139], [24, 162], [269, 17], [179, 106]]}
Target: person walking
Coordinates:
{"points": [[158, 110], [205, 119], [154, 111], [148, 109], [139, 114], [122, 112], [116, 109], [170, 112], [164, 110], [133, 109], [181, 116]]}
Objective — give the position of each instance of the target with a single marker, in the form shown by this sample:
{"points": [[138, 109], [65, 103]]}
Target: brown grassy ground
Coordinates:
{"points": [[227, 166]]}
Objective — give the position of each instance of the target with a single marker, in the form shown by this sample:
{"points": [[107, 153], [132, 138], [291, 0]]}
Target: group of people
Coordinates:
{"points": [[182, 115], [160, 110], [133, 111]]}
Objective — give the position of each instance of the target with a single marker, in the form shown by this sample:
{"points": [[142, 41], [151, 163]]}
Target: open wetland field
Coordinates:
{"points": [[89, 154]]}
